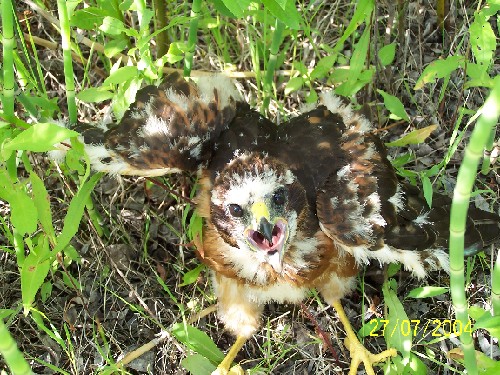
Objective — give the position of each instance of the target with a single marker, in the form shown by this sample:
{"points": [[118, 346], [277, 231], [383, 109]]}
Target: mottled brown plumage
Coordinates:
{"points": [[286, 208], [169, 128]]}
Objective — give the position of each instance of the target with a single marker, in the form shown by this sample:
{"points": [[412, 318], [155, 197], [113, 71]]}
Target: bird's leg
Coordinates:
{"points": [[358, 352], [224, 366]]}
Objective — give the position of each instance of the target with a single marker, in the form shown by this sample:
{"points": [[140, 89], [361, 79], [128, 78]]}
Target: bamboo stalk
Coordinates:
{"points": [[458, 216], [8, 59], [271, 64], [495, 286], [161, 21], [192, 38], [68, 62], [11, 353]]}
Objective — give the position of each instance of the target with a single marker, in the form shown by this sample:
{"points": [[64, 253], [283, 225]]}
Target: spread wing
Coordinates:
{"points": [[169, 128]]}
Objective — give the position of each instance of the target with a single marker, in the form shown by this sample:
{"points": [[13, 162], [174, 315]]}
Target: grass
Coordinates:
{"points": [[93, 267]]}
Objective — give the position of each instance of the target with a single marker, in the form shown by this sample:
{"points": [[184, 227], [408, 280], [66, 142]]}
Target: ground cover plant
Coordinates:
{"points": [[93, 266]]}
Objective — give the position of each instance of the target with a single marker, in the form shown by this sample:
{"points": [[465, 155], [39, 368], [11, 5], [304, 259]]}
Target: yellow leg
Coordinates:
{"points": [[224, 366], [358, 352]]}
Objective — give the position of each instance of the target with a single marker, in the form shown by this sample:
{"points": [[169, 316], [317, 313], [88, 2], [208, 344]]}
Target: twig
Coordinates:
{"points": [[324, 337]]}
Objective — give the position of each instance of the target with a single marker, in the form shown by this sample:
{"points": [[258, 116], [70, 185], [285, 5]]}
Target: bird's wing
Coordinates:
{"points": [[169, 128], [360, 203]]}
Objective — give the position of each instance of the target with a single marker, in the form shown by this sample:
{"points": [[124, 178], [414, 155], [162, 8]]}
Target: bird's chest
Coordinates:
{"points": [[228, 289], [281, 292]]}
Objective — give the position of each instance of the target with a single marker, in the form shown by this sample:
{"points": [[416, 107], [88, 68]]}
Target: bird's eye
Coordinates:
{"points": [[279, 197], [236, 210]]}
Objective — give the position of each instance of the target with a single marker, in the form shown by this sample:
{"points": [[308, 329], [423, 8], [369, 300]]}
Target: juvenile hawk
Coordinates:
{"points": [[287, 208]]}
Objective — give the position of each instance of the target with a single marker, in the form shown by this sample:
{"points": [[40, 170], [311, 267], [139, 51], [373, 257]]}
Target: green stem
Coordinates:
{"points": [[8, 62], [458, 215], [485, 168], [68, 62], [495, 286], [161, 22], [193, 37], [271, 64], [13, 356]]}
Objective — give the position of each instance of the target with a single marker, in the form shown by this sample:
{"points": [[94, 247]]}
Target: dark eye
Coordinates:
{"points": [[235, 210], [279, 197]]}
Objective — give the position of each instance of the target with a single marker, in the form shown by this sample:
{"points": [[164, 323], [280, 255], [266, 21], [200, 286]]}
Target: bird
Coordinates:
{"points": [[286, 208]]}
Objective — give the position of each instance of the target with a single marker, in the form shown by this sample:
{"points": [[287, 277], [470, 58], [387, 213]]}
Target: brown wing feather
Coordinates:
{"points": [[169, 128], [361, 204]]}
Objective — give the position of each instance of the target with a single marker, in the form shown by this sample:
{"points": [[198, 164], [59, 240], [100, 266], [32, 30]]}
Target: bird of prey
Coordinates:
{"points": [[289, 208]]}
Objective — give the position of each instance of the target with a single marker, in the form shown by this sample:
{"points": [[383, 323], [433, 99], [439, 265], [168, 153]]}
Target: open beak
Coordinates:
{"points": [[268, 236]]}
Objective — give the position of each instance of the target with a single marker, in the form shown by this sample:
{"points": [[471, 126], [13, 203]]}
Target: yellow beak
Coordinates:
{"points": [[259, 210]]}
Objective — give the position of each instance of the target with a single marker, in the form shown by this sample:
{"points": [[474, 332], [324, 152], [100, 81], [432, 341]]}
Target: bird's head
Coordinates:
{"points": [[256, 202]]}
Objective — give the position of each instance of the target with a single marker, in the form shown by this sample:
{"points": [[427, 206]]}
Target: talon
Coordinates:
{"points": [[357, 350]]}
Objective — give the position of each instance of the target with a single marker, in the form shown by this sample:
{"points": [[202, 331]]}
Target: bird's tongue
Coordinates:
{"points": [[262, 243]]}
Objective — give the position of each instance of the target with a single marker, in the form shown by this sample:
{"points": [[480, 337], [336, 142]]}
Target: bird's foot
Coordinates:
{"points": [[360, 354], [224, 367], [235, 370]]}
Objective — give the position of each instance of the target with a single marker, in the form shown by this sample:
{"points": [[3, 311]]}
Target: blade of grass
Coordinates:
{"points": [[68, 62], [271, 64], [458, 215], [193, 33]]}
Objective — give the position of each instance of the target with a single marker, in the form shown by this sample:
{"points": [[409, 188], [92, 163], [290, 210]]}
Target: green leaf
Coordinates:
{"points": [[41, 200], [23, 212], [359, 55], [34, 271], [312, 97], [121, 75], [323, 66], [482, 40], [393, 269], [290, 16], [94, 95], [439, 69], [40, 137], [75, 212], [489, 323], [428, 291], [175, 52], [46, 290], [476, 312], [427, 186], [112, 26], [196, 364], [485, 364], [396, 314], [387, 53], [414, 137], [371, 328], [394, 105], [402, 160], [190, 277], [236, 8], [198, 341], [114, 47], [89, 18], [363, 11], [5, 313], [294, 84]]}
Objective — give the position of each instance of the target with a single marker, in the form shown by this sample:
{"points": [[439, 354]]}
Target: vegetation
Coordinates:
{"points": [[92, 266]]}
